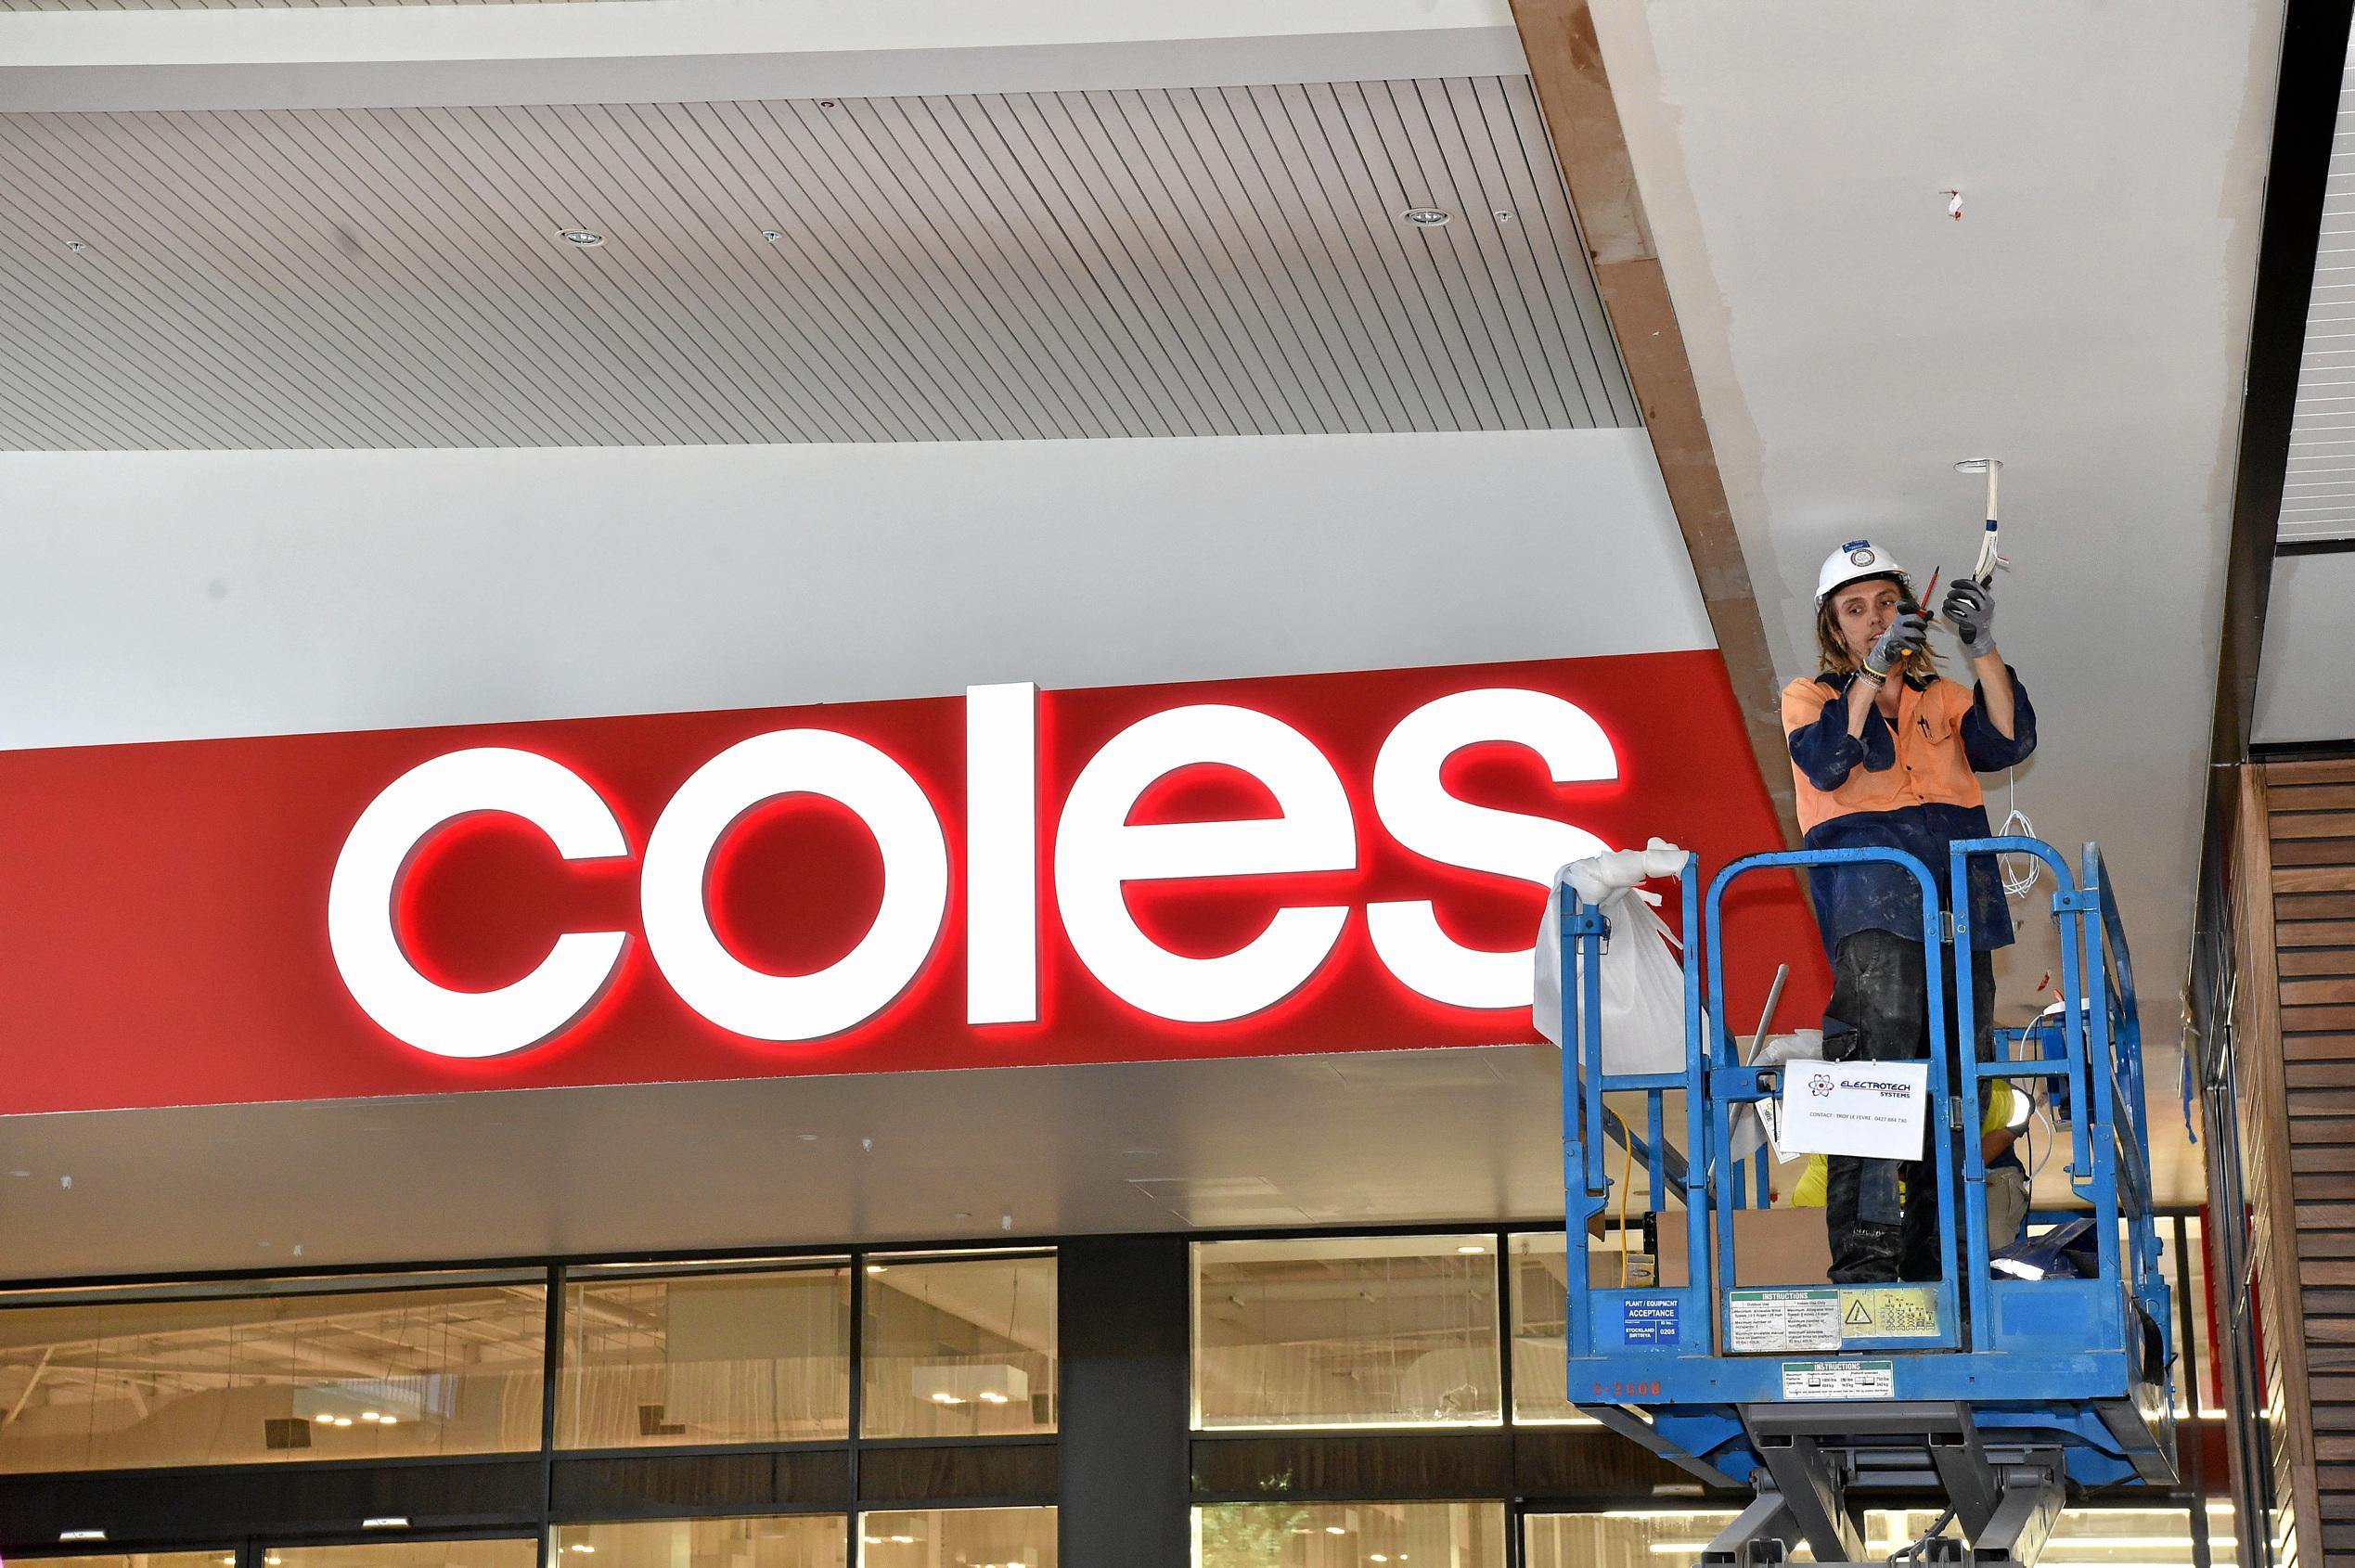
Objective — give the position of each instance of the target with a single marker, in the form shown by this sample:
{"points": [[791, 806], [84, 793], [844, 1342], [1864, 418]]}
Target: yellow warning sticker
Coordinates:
{"points": [[1885, 1312]]}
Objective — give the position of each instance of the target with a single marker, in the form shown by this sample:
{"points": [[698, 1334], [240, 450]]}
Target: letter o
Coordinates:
{"points": [[678, 857]]}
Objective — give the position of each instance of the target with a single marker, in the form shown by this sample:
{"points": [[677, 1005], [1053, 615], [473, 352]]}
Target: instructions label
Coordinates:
{"points": [[1653, 1319], [1889, 1312], [1780, 1320], [1838, 1380]]}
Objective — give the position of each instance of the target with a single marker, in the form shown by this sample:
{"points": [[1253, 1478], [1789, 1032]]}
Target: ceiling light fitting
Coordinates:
{"points": [[1425, 217], [584, 238]]}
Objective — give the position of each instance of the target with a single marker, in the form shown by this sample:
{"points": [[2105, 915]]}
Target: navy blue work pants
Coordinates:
{"points": [[1880, 1012]]}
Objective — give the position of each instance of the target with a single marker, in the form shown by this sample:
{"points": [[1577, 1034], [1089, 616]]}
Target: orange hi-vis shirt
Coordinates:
{"points": [[1909, 786], [1931, 765]]}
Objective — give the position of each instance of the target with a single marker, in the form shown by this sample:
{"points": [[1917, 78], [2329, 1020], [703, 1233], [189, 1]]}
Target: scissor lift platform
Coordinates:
{"points": [[1999, 1392]]}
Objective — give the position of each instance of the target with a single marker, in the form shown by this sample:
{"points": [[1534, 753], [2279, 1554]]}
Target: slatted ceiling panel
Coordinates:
{"points": [[2318, 496], [2309, 823], [1174, 262]]}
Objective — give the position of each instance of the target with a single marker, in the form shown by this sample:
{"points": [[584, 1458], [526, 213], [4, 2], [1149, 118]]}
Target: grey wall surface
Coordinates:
{"points": [[2305, 686], [169, 596]]}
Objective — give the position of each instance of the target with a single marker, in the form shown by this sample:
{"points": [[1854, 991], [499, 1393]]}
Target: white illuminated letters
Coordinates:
{"points": [[1097, 850], [673, 890], [1001, 854], [1421, 816], [368, 878]]}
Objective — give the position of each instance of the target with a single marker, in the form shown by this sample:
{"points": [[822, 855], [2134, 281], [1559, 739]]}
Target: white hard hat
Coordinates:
{"points": [[1854, 562]]}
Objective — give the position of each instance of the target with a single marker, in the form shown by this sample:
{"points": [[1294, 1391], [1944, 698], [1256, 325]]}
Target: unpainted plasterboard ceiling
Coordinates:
{"points": [[2318, 494], [1153, 263], [247, 5]]}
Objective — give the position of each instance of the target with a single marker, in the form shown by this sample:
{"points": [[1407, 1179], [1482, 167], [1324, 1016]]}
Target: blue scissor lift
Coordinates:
{"points": [[2000, 1392]]}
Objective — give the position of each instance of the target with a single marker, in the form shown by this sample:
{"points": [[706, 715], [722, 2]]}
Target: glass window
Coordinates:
{"points": [[1340, 1332], [958, 1537], [2084, 1538], [815, 1540], [1349, 1535], [1540, 1335], [959, 1347], [139, 1560], [731, 1354], [363, 1368], [513, 1552], [2212, 1387]]}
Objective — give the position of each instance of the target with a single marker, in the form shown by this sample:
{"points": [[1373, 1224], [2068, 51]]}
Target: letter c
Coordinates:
{"points": [[376, 857]]}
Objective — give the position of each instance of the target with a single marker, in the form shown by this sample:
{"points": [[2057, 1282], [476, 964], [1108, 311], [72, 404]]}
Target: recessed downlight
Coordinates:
{"points": [[1425, 217], [586, 239]]}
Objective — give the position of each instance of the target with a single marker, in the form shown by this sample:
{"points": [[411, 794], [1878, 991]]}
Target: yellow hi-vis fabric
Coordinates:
{"points": [[1810, 1193]]}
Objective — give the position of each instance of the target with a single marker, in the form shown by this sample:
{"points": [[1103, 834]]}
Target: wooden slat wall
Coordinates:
{"points": [[2308, 821], [2259, 1092]]}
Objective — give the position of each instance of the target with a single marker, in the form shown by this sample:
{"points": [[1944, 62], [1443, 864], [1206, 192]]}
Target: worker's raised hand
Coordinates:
{"points": [[1908, 633], [1970, 609]]}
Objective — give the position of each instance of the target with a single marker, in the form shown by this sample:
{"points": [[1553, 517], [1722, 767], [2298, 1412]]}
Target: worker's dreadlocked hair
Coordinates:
{"points": [[1832, 648]]}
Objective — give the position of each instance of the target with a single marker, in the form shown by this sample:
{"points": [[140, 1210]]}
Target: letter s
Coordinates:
{"points": [[1423, 818]]}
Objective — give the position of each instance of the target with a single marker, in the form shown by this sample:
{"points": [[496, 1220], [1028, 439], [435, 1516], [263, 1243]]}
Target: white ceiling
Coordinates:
{"points": [[1383, 1138], [991, 266], [2318, 495], [1851, 342], [244, 4]]}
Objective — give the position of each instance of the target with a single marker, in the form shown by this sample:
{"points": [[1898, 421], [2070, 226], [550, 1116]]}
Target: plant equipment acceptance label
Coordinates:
{"points": [[1838, 1380], [1653, 1319], [1781, 1320]]}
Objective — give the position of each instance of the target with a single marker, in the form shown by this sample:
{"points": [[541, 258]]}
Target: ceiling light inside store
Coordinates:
{"points": [[584, 238], [1425, 217], [1474, 1250]]}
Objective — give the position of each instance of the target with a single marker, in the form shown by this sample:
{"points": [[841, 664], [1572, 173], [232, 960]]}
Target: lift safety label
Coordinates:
{"points": [[1838, 1380], [1653, 1319], [1889, 1312], [1781, 1320]]}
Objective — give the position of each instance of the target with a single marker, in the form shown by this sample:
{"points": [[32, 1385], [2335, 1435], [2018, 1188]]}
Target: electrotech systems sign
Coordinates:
{"points": [[1011, 877]]}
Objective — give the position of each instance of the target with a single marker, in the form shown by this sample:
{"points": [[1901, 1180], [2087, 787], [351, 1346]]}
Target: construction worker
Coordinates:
{"points": [[1884, 752]]}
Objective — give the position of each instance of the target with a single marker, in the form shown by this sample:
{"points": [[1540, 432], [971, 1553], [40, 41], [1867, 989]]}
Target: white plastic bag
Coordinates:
{"points": [[1641, 981]]}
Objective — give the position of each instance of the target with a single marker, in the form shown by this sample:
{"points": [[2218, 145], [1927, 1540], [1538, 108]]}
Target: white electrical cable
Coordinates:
{"points": [[2017, 884]]}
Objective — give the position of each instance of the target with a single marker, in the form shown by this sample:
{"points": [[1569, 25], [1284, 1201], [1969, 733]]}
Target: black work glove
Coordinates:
{"points": [[1908, 633], [1970, 609]]}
